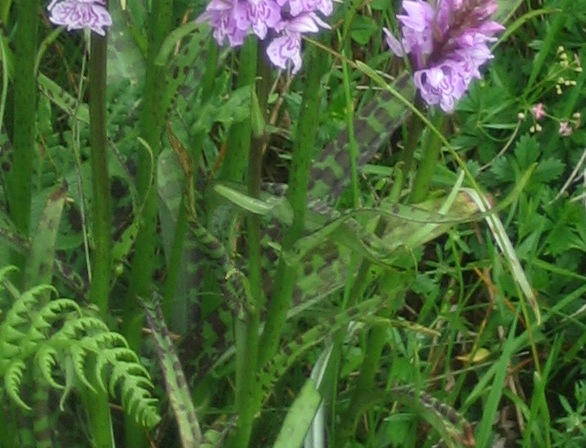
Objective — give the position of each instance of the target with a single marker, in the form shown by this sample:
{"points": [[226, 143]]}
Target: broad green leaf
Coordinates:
{"points": [[299, 417], [125, 57], [40, 262]]}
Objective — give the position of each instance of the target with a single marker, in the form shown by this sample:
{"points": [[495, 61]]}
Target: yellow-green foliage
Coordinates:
{"points": [[67, 346]]}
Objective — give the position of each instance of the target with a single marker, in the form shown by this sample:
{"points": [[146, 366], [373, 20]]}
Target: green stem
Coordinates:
{"points": [[100, 423], [378, 335], [152, 125], [25, 98], [296, 194], [41, 423], [377, 339], [352, 144], [4, 9], [236, 158], [246, 331], [209, 76], [329, 386], [25, 432], [101, 212], [176, 312], [414, 130], [98, 416], [429, 159], [374, 347]]}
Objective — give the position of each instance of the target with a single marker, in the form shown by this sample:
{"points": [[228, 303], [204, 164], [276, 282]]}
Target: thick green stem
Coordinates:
{"points": [[298, 181], [152, 125], [236, 158], [429, 158], [247, 331], [20, 181], [176, 312], [98, 416], [414, 130], [209, 76], [41, 422], [101, 208], [96, 404]]}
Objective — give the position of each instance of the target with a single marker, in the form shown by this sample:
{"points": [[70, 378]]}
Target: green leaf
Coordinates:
{"points": [[47, 359], [126, 61], [299, 417], [173, 38], [12, 381], [257, 206], [363, 27], [63, 100], [40, 262], [548, 170], [526, 151], [175, 383], [506, 9]]}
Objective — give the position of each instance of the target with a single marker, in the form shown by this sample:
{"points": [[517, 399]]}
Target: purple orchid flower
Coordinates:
{"points": [[288, 46], [297, 7], [285, 21], [263, 14], [447, 44], [228, 21], [80, 14]]}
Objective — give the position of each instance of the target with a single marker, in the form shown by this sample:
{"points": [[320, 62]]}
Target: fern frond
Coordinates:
{"points": [[111, 340], [82, 349], [31, 295], [6, 270], [134, 391], [74, 329], [46, 359], [12, 381], [8, 350], [58, 309], [77, 357], [19, 313], [112, 356], [143, 406], [39, 326], [36, 334], [125, 371]]}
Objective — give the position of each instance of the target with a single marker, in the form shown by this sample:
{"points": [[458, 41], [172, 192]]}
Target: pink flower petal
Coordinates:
{"points": [[79, 14]]}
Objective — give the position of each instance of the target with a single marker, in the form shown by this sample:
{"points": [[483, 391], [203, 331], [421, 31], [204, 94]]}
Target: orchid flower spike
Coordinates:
{"points": [[447, 43]]}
